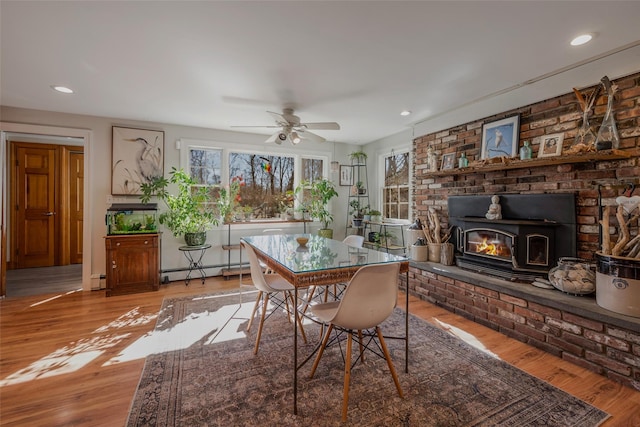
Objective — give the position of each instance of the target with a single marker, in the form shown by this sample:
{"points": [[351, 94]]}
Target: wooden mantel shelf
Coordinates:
{"points": [[532, 163]]}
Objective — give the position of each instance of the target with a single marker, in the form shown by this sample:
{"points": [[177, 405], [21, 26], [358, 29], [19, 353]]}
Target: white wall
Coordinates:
{"points": [[99, 169]]}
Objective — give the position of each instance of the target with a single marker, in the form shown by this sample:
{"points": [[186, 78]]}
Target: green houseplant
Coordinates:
{"points": [[314, 199], [189, 212], [358, 157]]}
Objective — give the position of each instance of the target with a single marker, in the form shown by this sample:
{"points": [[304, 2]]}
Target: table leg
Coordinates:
{"points": [[295, 354], [406, 326]]}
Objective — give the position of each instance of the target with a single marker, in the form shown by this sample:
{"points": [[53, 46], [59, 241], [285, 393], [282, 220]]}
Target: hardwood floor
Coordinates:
{"points": [[43, 280], [58, 356]]}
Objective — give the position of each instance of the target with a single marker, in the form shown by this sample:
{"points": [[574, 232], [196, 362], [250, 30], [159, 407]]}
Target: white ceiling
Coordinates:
{"points": [[220, 64]]}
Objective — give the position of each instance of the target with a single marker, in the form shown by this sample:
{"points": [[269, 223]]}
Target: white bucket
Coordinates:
{"points": [[618, 284]]}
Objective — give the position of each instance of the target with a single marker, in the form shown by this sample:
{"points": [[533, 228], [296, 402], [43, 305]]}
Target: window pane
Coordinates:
{"points": [[311, 169], [205, 166], [268, 182], [396, 183]]}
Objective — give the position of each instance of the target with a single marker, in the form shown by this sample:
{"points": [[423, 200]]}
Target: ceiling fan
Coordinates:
{"points": [[292, 130]]}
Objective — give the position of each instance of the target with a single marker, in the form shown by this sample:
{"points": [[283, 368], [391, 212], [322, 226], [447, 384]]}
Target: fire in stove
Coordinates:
{"points": [[489, 243], [492, 248]]}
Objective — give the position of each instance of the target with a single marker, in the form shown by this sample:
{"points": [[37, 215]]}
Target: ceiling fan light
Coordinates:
{"points": [[295, 139]]}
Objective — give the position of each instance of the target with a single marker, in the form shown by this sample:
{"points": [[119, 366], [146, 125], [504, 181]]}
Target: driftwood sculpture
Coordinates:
{"points": [[433, 229], [626, 245]]}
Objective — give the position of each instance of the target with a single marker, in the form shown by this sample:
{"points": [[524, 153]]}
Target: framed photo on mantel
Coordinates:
{"points": [[551, 145], [500, 138]]}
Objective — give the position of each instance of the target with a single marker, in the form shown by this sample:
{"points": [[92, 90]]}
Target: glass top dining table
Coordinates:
{"points": [[320, 261]]}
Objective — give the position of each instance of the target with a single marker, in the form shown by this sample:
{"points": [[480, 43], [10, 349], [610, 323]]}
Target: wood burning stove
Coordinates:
{"points": [[521, 246]]}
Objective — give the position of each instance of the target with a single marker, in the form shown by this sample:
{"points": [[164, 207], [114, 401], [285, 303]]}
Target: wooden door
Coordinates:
{"points": [[35, 206], [76, 202]]}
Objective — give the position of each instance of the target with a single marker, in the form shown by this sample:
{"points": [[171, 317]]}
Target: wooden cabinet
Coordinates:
{"points": [[133, 263]]}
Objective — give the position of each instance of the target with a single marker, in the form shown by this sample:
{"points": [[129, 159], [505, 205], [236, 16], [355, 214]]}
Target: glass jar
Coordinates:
{"points": [[525, 151], [463, 161], [574, 276]]}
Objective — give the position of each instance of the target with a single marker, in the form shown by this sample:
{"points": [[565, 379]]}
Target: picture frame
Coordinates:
{"points": [[501, 138], [137, 157], [551, 145], [448, 161], [346, 175]]}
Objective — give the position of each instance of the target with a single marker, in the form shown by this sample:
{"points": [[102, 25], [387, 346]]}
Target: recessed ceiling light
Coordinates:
{"points": [[405, 113], [62, 89], [581, 39]]}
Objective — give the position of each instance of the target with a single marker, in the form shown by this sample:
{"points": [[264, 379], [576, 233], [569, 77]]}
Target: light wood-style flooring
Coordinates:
{"points": [[57, 357]]}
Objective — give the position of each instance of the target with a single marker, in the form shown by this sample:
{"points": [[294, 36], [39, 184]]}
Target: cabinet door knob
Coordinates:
{"points": [[118, 244], [145, 242]]}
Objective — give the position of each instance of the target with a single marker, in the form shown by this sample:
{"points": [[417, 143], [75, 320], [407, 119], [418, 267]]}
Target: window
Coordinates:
{"points": [[395, 192], [268, 182], [267, 179]]}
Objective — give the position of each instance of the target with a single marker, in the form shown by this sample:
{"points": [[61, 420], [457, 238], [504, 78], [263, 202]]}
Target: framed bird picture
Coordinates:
{"points": [[137, 157], [500, 138]]}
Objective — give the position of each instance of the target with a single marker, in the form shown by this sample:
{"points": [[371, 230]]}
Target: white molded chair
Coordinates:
{"points": [[269, 285], [368, 300], [353, 240]]}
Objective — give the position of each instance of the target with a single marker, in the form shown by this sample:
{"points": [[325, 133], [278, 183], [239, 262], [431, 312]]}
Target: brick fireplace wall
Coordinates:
{"points": [[557, 115], [588, 340]]}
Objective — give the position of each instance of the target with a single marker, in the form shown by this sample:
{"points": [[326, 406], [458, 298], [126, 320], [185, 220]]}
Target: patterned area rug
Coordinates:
{"points": [[205, 374]]}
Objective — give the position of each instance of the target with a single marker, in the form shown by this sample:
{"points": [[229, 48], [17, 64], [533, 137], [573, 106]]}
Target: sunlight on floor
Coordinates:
{"points": [[214, 327], [465, 336], [217, 326], [55, 297]]}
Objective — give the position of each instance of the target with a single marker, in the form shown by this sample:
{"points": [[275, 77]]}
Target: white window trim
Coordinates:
{"points": [[381, 175]]}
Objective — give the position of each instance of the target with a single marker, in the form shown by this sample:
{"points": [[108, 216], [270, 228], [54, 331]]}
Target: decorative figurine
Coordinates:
{"points": [[495, 210]]}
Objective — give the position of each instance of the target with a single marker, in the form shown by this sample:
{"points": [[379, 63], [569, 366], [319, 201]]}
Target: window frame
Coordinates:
{"points": [[382, 157], [185, 145]]}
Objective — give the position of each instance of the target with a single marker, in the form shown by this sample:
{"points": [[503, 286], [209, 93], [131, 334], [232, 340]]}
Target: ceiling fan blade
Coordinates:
{"points": [[310, 136], [279, 118], [321, 125], [265, 126], [274, 138]]}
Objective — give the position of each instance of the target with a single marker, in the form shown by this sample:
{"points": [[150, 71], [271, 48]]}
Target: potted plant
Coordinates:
{"points": [[376, 215], [358, 157], [188, 213], [315, 196], [357, 211]]}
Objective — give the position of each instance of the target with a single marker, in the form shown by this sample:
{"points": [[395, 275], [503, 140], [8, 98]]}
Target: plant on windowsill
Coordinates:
{"points": [[314, 198], [189, 212]]}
